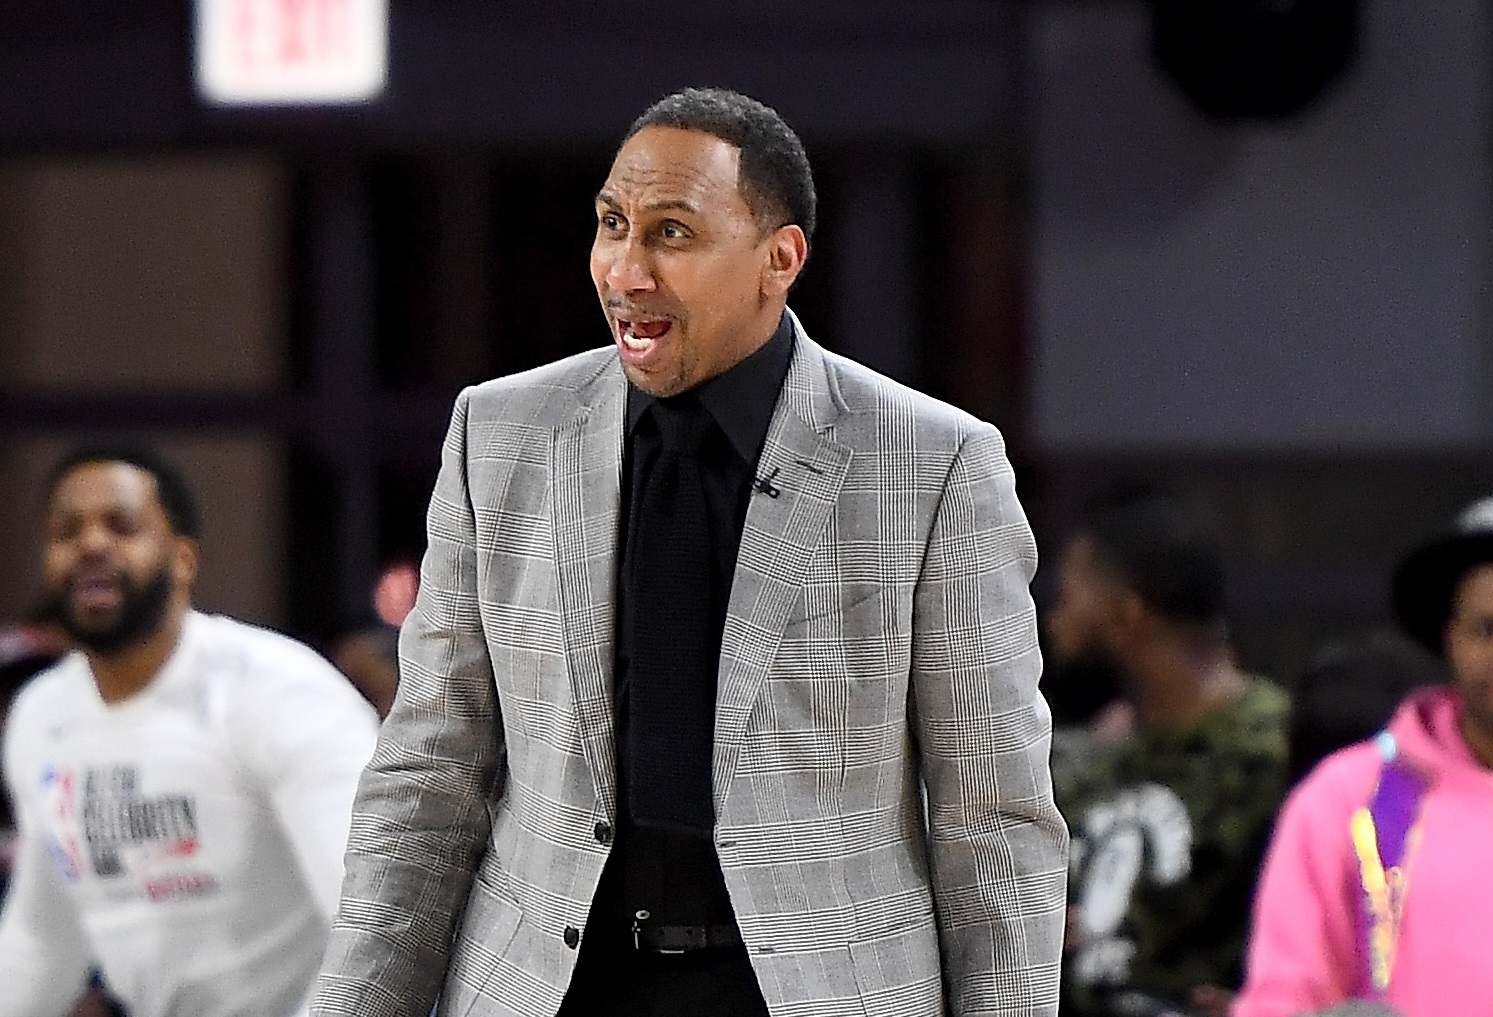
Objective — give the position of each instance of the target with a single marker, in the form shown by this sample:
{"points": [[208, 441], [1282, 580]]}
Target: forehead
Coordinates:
{"points": [[669, 164], [105, 487], [1475, 591]]}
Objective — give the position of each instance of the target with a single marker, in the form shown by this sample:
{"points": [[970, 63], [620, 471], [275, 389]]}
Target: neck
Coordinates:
{"points": [[762, 329], [1182, 683], [126, 672], [1479, 740]]}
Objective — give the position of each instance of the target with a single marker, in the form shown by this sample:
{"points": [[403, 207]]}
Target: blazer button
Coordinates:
{"points": [[603, 833], [572, 936]]}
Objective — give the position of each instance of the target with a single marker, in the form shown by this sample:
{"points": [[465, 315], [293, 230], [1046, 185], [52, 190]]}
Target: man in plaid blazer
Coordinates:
{"points": [[879, 773]]}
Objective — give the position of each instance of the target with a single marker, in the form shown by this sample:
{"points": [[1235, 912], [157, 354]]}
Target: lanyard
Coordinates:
{"points": [[1384, 891]]}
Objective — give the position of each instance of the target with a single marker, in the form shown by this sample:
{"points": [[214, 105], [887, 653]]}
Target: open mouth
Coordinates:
{"points": [[94, 594], [639, 337]]}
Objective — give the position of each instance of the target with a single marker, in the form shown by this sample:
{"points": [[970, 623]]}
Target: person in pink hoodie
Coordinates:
{"points": [[1377, 886]]}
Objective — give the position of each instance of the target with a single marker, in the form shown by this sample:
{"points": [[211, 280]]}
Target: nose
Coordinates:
{"points": [[95, 538], [630, 270]]}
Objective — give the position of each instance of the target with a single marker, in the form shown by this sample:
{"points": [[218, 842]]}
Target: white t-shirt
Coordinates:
{"points": [[188, 841]]}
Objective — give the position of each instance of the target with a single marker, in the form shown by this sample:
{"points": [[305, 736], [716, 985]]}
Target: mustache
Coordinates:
{"points": [[90, 572], [145, 603], [619, 308]]}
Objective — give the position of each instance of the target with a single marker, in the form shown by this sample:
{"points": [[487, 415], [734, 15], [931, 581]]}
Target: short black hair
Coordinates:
{"points": [[1349, 692], [171, 487], [775, 178], [1157, 549]]}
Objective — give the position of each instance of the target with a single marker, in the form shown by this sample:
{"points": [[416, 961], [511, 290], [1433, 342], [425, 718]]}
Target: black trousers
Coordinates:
{"points": [[612, 979]]}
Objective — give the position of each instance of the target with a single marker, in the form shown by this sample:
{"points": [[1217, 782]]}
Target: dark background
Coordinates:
{"points": [[1281, 317]]}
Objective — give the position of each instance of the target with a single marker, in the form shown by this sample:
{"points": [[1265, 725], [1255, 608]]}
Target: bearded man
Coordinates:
{"points": [[182, 782], [1171, 819]]}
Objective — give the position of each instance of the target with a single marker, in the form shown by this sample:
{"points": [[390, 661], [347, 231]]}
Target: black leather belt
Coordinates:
{"points": [[650, 938]]}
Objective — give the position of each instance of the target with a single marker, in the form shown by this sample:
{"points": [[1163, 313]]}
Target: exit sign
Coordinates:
{"points": [[291, 52]]}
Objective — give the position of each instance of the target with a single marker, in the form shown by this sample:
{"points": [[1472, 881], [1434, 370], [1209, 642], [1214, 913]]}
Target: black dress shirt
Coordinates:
{"points": [[675, 874]]}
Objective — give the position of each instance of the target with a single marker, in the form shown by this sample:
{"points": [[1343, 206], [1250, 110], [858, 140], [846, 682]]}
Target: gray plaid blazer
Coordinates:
{"points": [[884, 810]]}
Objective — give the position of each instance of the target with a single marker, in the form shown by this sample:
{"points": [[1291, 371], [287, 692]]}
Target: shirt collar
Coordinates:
{"points": [[741, 400]]}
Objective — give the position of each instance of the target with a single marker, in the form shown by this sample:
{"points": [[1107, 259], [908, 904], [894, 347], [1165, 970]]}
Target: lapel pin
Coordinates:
{"points": [[764, 485]]}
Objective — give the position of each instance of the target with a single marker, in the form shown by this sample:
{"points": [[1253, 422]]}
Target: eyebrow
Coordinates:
{"points": [[668, 205]]}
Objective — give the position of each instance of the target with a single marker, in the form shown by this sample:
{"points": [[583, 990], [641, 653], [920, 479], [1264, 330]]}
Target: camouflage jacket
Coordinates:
{"points": [[1169, 829]]}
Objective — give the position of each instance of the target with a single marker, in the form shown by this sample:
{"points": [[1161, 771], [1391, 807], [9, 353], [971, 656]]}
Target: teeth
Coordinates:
{"points": [[635, 342]]}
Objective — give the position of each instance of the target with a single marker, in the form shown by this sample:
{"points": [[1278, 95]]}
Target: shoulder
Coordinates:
{"points": [[51, 694], [1260, 716], [229, 640], [50, 700], [545, 396], [1312, 830], [1348, 774], [1250, 724], [261, 663], [1339, 784], [284, 709], [891, 428], [879, 411]]}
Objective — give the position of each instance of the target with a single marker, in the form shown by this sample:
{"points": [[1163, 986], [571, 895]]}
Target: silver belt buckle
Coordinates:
{"points": [[637, 937]]}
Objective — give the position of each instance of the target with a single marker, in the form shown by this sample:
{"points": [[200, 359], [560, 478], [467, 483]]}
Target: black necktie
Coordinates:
{"points": [[671, 678]]}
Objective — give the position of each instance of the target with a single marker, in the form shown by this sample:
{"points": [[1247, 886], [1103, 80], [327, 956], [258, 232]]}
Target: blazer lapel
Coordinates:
{"points": [[586, 480], [801, 470]]}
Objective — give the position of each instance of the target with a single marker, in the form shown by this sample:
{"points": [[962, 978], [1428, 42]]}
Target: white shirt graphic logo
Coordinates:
{"points": [[1142, 830]]}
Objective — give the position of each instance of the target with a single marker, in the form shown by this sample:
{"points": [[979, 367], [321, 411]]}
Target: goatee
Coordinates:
{"points": [[1077, 688], [142, 609]]}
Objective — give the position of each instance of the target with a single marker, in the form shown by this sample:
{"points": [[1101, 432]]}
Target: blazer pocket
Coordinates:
{"points": [[841, 669], [865, 635], [854, 601]]}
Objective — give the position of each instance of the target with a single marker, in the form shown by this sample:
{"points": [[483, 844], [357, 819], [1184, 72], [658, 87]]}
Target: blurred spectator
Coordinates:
{"points": [[25, 650], [369, 657], [394, 593], [182, 784], [1169, 822], [368, 654], [1374, 889], [1082, 688], [1349, 693]]}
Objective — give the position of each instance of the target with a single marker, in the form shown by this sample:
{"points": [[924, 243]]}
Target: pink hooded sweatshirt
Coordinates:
{"points": [[1305, 952]]}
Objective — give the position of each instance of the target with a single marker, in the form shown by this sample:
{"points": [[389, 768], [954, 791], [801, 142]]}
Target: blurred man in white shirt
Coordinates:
{"points": [[182, 782]]}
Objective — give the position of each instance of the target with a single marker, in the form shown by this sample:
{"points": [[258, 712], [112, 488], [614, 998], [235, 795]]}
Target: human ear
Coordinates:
{"points": [[184, 562], [787, 250]]}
